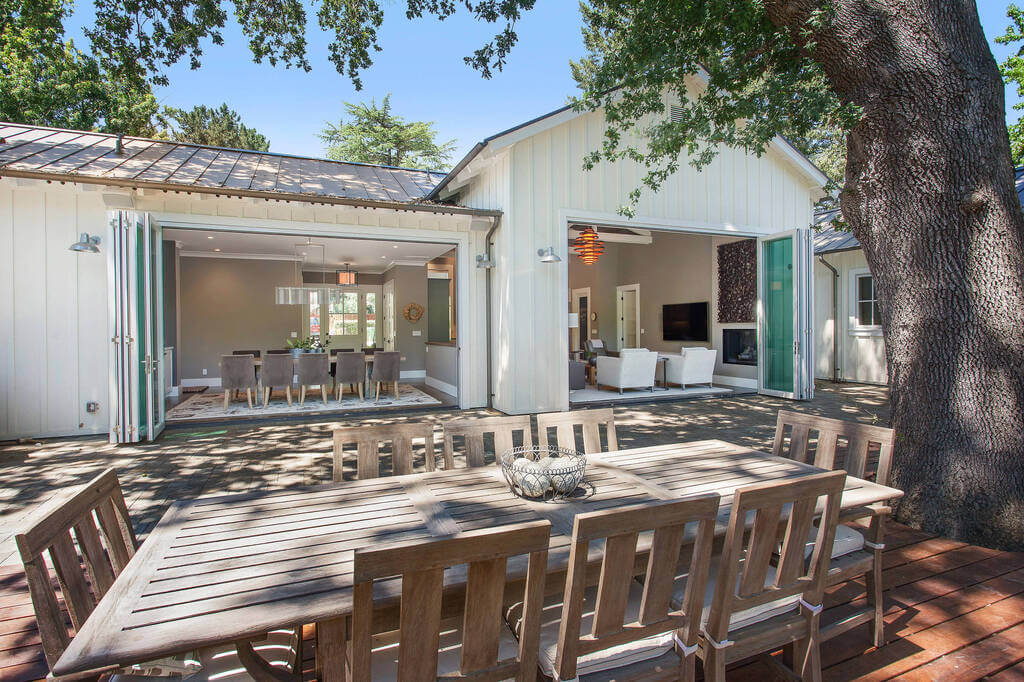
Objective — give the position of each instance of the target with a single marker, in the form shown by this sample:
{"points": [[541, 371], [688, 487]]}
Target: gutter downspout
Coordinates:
{"points": [[487, 253], [835, 318]]}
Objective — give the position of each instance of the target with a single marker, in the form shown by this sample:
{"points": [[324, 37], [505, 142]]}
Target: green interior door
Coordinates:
{"points": [[777, 305]]}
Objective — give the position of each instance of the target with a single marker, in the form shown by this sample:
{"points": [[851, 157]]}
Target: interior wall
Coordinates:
{"points": [[410, 287], [228, 304]]}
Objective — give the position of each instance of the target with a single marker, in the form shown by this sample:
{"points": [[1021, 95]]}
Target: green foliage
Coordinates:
{"points": [[221, 127], [46, 80], [373, 134], [1013, 72]]}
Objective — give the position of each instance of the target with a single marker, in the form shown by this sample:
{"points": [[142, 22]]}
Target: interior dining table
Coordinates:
{"points": [[229, 568]]}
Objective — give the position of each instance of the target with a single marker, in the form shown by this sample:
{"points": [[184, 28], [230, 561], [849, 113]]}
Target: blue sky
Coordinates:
{"points": [[422, 66]]}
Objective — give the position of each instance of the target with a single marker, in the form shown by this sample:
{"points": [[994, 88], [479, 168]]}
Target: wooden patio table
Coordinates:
{"points": [[229, 568]]}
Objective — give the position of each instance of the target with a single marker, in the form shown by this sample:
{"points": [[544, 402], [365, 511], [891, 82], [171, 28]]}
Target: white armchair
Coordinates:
{"points": [[691, 366], [634, 368]]}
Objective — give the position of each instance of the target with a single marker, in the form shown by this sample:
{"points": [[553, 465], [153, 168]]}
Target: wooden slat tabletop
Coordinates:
{"points": [[225, 568]]}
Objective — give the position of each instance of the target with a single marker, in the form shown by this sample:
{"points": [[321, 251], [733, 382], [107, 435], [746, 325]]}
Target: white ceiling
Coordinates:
{"points": [[364, 255]]}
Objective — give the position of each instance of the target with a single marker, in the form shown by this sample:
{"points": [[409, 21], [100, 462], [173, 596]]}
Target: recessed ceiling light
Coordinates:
{"points": [[210, 237], [394, 246], [216, 249], [384, 257]]}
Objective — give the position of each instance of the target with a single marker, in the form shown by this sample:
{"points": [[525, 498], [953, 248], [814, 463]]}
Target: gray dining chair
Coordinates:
{"points": [[278, 370], [314, 370], [237, 372], [349, 368], [385, 370]]}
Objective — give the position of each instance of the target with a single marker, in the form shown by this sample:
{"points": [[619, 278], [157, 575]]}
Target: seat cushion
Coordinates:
{"points": [[740, 619], [606, 659], [221, 664], [847, 541], [385, 658]]}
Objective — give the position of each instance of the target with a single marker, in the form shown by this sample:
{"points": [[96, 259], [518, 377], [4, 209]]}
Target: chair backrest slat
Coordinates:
{"points": [[368, 439], [421, 566], [590, 422], [620, 530], [89, 539], [473, 431], [859, 440], [744, 580]]}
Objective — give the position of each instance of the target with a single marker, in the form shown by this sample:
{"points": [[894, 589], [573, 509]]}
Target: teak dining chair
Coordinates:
{"points": [[756, 607], [477, 646], [95, 518], [367, 440], [623, 628], [857, 550], [590, 422], [472, 431]]}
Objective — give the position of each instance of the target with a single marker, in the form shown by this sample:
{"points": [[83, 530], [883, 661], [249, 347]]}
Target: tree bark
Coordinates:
{"points": [[929, 193]]}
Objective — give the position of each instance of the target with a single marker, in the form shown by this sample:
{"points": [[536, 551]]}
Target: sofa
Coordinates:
{"points": [[633, 368], [690, 366]]}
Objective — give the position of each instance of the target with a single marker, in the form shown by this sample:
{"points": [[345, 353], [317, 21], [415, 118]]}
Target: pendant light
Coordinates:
{"points": [[346, 277], [588, 246]]}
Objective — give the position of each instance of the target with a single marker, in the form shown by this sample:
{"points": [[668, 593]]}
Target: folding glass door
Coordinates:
{"points": [[784, 310], [135, 307]]}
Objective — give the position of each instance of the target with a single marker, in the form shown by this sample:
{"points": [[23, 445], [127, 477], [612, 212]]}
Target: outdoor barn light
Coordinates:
{"points": [[548, 255], [86, 244], [483, 261]]}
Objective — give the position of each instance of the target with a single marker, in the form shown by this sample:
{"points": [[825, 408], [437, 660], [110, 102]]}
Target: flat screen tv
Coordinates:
{"points": [[685, 321]]}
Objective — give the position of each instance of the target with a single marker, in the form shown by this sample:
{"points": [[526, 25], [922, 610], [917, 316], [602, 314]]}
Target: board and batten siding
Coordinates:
{"points": [[53, 312], [539, 184]]}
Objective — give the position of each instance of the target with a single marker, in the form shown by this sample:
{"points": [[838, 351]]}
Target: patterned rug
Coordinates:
{"points": [[210, 405]]}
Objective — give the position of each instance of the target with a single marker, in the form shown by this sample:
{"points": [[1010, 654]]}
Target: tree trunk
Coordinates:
{"points": [[929, 192]]}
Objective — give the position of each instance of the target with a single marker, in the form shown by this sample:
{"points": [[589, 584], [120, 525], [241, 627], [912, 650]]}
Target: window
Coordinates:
{"points": [[343, 315], [371, 320], [314, 314], [868, 313]]}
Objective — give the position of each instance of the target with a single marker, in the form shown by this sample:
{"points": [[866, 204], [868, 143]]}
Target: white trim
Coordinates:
{"points": [[584, 322], [239, 256], [739, 382], [620, 327], [441, 386], [212, 382], [853, 326], [661, 224], [412, 374]]}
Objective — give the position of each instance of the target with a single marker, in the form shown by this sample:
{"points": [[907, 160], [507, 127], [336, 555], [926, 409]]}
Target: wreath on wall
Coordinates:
{"points": [[413, 312]]}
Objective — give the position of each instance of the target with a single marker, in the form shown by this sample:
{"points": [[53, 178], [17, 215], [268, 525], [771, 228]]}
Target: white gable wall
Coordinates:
{"points": [[539, 184]]}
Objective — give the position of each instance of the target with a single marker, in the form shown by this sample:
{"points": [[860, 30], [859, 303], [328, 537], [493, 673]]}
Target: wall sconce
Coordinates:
{"points": [[483, 261], [86, 244], [548, 255]]}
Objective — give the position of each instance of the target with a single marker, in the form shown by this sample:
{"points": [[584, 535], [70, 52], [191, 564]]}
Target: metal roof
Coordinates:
{"points": [[830, 240], [92, 157]]}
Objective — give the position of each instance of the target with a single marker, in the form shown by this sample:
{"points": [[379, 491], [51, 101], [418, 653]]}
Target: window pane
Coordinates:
{"points": [[864, 318], [876, 313], [314, 314], [371, 320], [865, 288]]}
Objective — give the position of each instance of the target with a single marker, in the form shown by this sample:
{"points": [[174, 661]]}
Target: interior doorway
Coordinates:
{"points": [[581, 306], [628, 314]]}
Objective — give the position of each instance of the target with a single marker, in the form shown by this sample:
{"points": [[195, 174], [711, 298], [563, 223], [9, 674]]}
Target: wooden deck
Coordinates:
{"points": [[954, 612]]}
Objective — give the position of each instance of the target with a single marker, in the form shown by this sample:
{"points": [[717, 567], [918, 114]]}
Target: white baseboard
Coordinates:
{"points": [[442, 386], [739, 382], [413, 374], [212, 382]]}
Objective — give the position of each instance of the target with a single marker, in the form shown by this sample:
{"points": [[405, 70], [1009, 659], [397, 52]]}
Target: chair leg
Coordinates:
{"points": [[396, 389], [266, 395], [323, 393], [227, 397], [302, 395], [377, 394], [714, 665], [361, 391], [339, 391], [874, 581], [288, 394], [248, 396], [806, 651]]}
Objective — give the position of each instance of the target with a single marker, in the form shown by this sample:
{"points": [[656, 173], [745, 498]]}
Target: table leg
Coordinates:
{"points": [[331, 650]]}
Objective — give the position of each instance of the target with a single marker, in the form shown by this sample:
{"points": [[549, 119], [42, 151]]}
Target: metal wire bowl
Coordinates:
{"points": [[543, 472]]}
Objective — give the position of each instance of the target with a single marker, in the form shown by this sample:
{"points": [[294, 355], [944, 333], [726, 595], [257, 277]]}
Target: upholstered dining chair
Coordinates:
{"points": [[254, 353], [349, 368], [278, 370], [89, 538], [864, 451], [237, 372], [386, 370], [476, 645], [314, 370]]}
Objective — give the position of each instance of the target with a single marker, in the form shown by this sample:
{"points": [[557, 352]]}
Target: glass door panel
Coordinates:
{"points": [[785, 310], [153, 307], [778, 356]]}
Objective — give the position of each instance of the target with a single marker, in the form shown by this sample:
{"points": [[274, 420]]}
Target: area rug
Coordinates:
{"points": [[210, 405]]}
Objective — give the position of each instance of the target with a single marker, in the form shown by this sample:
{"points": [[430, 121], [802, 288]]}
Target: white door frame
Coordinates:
{"points": [[803, 315], [620, 330], [584, 321], [460, 240], [387, 305]]}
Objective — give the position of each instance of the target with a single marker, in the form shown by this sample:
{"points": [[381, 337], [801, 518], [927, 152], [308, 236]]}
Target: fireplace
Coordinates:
{"points": [[739, 346]]}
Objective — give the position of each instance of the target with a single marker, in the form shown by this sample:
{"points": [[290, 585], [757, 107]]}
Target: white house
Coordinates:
{"points": [[194, 242]]}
